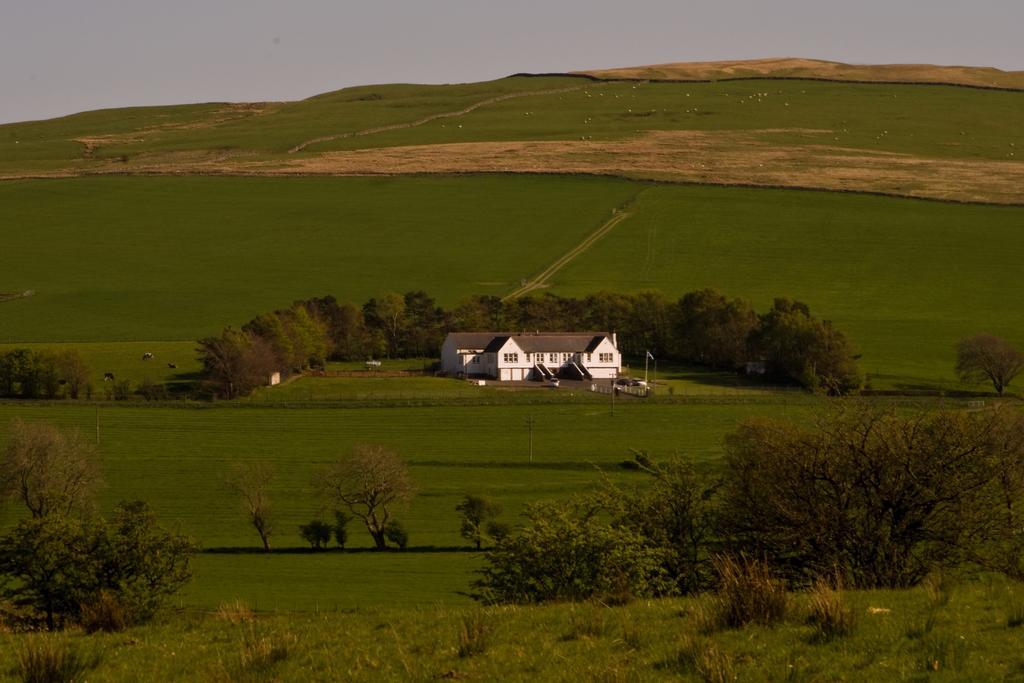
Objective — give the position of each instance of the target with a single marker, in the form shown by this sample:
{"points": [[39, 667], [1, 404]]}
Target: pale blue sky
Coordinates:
{"points": [[63, 56]]}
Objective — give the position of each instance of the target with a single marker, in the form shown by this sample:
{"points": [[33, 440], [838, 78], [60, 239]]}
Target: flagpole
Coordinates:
{"points": [[647, 356]]}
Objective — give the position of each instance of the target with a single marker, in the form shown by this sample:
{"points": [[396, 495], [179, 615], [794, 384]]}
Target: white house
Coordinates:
{"points": [[517, 357]]}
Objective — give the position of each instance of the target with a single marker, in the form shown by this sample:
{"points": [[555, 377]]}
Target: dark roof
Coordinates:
{"points": [[567, 342]]}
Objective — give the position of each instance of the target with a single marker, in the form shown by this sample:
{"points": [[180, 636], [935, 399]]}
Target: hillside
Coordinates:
{"points": [[790, 67], [919, 140]]}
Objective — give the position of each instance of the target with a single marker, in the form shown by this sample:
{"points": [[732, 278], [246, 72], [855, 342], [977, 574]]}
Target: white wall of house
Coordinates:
{"points": [[604, 361], [511, 363]]}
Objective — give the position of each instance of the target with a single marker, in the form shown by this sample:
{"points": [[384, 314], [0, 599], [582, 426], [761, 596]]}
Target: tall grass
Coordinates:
{"points": [[475, 632], [828, 612], [704, 658], [747, 594], [52, 659]]}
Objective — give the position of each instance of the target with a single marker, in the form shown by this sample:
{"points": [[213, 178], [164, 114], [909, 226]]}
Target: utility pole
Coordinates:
{"points": [[529, 427], [614, 391]]}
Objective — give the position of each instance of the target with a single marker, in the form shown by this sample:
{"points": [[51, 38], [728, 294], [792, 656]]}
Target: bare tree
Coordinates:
{"points": [[987, 357], [251, 481], [50, 471], [370, 484]]}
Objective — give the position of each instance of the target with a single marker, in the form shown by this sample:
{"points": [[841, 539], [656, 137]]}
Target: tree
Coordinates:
{"points": [[317, 533], [237, 362], [396, 532], [55, 565], [567, 552], [341, 520], [72, 370], [251, 481], [369, 483], [987, 357], [48, 470], [386, 314], [881, 497], [477, 514], [799, 348], [712, 329]]}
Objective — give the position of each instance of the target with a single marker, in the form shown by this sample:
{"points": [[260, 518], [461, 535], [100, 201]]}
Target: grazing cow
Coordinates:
{"points": [[108, 377], [172, 366], [147, 356]]}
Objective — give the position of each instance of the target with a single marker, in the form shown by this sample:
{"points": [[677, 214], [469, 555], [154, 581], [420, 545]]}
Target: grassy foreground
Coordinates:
{"points": [[972, 633]]}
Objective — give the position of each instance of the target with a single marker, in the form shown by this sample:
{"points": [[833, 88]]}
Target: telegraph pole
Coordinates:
{"points": [[529, 427]]}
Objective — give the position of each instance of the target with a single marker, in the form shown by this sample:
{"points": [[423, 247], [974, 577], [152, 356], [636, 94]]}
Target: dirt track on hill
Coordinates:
{"points": [[433, 117]]}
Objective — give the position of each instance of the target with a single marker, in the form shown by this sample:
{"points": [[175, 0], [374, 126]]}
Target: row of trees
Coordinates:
{"points": [[370, 485], [703, 327], [26, 373], [64, 563], [878, 498]]}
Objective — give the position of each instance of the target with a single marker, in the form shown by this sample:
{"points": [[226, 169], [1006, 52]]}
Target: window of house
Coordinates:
{"points": [[565, 357], [604, 357], [553, 357], [476, 360], [589, 357], [511, 357]]}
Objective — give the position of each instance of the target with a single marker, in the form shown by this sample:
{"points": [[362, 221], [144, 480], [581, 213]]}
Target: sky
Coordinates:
{"points": [[63, 56]]}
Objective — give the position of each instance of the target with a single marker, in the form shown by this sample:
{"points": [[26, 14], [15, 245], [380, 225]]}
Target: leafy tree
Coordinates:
{"points": [[251, 481], [387, 314], [72, 370], [237, 362], [396, 532], [48, 470], [712, 329], [370, 483], [567, 552], [477, 514], [317, 533], [799, 348], [985, 357], [881, 497], [341, 520], [53, 565]]}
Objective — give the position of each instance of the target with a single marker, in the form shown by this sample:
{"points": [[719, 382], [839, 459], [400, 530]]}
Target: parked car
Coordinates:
{"points": [[637, 383], [623, 381], [553, 382]]}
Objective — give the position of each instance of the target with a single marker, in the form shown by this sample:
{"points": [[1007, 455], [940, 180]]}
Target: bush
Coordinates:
{"points": [[566, 553], [475, 632], [395, 532], [747, 594], [50, 659], [317, 533], [829, 615]]}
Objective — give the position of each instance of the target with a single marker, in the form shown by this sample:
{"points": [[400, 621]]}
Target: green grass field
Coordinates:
{"points": [[177, 458], [898, 635], [127, 259], [904, 279]]}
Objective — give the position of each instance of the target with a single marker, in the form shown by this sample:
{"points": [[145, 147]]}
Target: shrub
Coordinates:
{"points": [[829, 615], [498, 531], [395, 532], [105, 612], [747, 593], [475, 632], [50, 659], [317, 533], [566, 553]]}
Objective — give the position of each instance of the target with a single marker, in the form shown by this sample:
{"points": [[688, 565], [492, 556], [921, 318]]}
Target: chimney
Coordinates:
{"points": [[615, 341]]}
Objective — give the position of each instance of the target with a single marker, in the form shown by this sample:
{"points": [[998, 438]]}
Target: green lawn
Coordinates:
{"points": [[116, 259], [125, 360], [904, 279]]}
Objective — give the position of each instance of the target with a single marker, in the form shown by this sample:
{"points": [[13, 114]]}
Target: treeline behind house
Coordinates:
{"points": [[703, 327]]}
